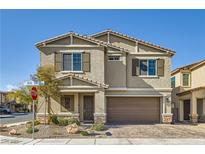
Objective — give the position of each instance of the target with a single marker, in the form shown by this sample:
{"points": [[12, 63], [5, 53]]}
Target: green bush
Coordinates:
{"points": [[30, 130], [84, 133], [30, 123], [54, 119], [63, 122], [72, 121], [98, 127]]}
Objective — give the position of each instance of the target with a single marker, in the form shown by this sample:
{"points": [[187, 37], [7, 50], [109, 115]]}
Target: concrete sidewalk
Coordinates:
{"points": [[100, 141]]}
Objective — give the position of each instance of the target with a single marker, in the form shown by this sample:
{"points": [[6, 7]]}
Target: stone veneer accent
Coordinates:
{"points": [[193, 118], [167, 118], [99, 117]]}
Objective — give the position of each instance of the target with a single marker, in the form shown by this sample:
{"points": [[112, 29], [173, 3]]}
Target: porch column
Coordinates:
{"points": [[100, 115], [181, 110], [204, 106], [76, 105], [193, 107], [166, 110]]}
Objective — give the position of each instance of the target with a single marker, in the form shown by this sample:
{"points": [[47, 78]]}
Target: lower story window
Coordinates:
{"points": [[67, 104]]}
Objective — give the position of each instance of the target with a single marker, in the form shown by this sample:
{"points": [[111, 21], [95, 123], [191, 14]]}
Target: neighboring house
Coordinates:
{"points": [[188, 96], [3, 98], [109, 77]]}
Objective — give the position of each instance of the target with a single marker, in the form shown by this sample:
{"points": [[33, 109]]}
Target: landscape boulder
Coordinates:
{"points": [[13, 132], [3, 127], [72, 129]]}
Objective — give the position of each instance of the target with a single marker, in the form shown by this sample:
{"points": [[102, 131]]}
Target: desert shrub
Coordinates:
{"points": [[29, 123], [84, 133], [98, 127], [63, 122], [30, 130], [72, 121], [54, 119]]}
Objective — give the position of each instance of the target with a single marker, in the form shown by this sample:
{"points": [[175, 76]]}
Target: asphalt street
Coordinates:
{"points": [[15, 117]]}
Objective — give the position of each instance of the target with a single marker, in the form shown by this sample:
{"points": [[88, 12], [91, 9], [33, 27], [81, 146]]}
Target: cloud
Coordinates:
{"points": [[10, 87]]}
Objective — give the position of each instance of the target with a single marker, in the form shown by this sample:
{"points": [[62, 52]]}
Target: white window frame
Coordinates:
{"points": [[67, 71], [148, 68], [189, 79], [174, 82], [113, 59]]}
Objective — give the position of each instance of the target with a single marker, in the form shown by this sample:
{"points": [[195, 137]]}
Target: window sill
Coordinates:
{"points": [[145, 76], [80, 72]]}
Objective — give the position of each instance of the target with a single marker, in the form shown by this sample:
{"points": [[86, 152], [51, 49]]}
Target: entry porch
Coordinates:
{"points": [[192, 105]]}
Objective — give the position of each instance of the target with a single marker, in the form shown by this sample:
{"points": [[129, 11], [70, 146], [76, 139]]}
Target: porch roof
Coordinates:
{"points": [[190, 90], [85, 79]]}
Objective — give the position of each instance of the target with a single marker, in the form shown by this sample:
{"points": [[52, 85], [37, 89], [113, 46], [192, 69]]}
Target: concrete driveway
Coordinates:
{"points": [[157, 131]]}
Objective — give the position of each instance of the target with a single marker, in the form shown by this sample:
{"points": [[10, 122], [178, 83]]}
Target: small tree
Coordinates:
{"points": [[51, 85], [21, 95]]}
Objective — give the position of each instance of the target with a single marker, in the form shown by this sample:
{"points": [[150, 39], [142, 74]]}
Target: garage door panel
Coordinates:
{"points": [[132, 109]]}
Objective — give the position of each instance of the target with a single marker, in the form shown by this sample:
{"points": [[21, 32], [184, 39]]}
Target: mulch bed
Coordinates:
{"points": [[51, 131]]}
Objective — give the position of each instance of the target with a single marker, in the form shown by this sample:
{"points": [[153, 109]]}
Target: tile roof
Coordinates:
{"points": [[189, 66], [134, 39], [88, 38], [86, 79]]}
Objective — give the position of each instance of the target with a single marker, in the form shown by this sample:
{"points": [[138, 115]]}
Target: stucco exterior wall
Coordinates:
{"points": [[124, 43], [115, 72], [96, 60], [198, 77], [149, 82]]}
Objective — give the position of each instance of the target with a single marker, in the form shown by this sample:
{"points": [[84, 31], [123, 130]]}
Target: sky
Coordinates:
{"points": [[180, 30]]}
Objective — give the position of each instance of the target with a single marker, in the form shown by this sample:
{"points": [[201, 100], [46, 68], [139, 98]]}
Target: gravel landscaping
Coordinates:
{"points": [[116, 131], [51, 131]]}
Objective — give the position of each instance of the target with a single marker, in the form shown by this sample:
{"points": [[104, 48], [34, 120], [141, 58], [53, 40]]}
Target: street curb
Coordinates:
{"points": [[16, 124], [6, 116]]}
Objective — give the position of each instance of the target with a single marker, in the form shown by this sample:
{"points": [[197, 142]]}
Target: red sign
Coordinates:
{"points": [[34, 93]]}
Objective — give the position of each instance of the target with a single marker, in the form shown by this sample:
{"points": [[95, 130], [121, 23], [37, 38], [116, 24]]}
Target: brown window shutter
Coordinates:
{"points": [[160, 67], [135, 67], [86, 62], [58, 60]]}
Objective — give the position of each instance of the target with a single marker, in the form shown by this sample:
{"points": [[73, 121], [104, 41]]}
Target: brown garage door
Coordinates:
{"points": [[133, 110]]}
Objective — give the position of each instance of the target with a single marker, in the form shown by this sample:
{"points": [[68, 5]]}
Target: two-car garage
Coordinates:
{"points": [[133, 109]]}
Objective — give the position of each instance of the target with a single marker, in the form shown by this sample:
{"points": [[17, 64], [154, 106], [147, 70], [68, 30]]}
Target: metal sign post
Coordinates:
{"points": [[33, 122], [34, 96], [34, 82]]}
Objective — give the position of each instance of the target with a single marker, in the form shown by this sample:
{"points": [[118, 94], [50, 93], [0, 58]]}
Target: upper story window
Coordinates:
{"points": [[147, 67], [173, 82], [186, 79], [72, 62], [114, 58]]}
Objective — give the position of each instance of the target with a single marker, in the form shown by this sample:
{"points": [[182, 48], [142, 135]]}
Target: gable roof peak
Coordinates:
{"points": [[88, 38], [133, 39]]}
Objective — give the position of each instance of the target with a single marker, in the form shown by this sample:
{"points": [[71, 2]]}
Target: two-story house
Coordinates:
{"points": [[109, 77], [188, 96]]}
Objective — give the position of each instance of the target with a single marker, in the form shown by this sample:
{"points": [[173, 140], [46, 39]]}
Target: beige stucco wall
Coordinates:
{"points": [[124, 43], [102, 38], [149, 82], [198, 77], [96, 59], [115, 72]]}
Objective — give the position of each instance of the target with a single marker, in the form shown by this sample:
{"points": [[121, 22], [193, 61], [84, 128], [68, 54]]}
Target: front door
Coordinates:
{"points": [[88, 108], [186, 109]]}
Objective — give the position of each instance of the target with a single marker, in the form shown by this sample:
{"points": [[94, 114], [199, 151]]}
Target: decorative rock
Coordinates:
{"points": [[2, 127], [13, 132], [72, 129]]}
